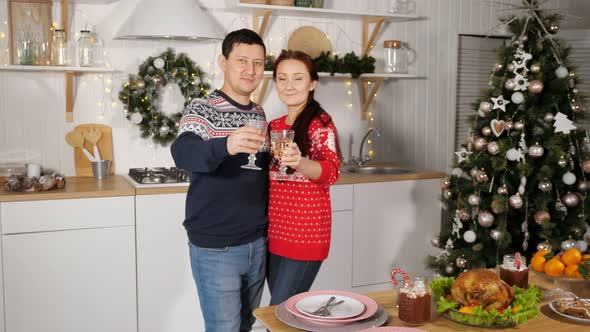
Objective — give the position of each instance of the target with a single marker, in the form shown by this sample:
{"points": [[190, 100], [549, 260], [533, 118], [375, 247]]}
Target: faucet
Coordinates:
{"points": [[361, 160]]}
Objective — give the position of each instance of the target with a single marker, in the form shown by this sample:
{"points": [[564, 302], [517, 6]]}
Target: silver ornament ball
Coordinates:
{"points": [[562, 162], [517, 97], [536, 151], [449, 269], [515, 201], [568, 244], [571, 199], [535, 86], [159, 63], [542, 217], [435, 241], [548, 117], [493, 148], [496, 234], [164, 130], [485, 219], [485, 106], [461, 262], [544, 246], [561, 72], [569, 178], [535, 68], [545, 186], [486, 131], [473, 199], [481, 177]]}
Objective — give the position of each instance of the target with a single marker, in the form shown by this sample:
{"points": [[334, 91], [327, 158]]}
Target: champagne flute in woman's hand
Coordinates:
{"points": [[280, 141], [261, 125]]}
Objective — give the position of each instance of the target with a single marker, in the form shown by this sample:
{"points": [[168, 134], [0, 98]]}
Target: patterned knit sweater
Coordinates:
{"points": [[300, 216], [226, 205]]}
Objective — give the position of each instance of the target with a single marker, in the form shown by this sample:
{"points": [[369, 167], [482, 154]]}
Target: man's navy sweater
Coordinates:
{"points": [[226, 205]]}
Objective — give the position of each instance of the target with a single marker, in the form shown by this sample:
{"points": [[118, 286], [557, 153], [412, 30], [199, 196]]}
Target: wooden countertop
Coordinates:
{"points": [[76, 187], [345, 178], [547, 320]]}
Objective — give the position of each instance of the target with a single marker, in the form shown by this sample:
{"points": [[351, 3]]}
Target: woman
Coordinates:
{"points": [[300, 215]]}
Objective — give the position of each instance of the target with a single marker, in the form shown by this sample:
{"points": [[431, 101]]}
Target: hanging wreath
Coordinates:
{"points": [[141, 93]]}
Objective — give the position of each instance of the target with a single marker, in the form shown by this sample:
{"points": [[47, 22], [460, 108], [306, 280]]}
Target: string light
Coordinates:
{"points": [[369, 141], [2, 35], [349, 92], [107, 90]]}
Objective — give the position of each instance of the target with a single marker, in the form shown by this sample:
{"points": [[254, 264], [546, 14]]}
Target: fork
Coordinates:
{"points": [[325, 310]]}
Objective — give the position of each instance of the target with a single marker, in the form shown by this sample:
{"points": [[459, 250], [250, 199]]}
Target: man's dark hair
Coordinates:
{"points": [[242, 36]]}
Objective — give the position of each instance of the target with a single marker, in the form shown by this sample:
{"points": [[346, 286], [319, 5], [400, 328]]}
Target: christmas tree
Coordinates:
{"points": [[519, 183]]}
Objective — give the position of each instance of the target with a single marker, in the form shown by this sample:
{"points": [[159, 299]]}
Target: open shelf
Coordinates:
{"points": [[385, 76], [59, 69]]}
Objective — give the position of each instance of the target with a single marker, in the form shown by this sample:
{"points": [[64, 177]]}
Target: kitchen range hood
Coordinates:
{"points": [[170, 19]]}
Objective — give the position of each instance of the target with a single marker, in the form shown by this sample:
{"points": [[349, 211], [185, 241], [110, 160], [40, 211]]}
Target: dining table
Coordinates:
{"points": [[546, 320]]}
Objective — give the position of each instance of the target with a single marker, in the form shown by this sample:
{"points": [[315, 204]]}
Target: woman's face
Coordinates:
{"points": [[293, 83]]}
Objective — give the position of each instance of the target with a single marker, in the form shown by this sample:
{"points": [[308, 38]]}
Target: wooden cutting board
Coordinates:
{"points": [[105, 147]]}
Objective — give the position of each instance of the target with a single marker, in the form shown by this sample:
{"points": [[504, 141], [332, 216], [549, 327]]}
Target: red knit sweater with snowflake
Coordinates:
{"points": [[300, 215]]}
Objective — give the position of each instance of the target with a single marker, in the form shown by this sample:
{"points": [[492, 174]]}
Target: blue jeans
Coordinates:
{"points": [[229, 282], [288, 277]]}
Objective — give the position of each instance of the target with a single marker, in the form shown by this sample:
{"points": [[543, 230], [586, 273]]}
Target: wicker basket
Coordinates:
{"points": [[258, 2], [282, 2]]}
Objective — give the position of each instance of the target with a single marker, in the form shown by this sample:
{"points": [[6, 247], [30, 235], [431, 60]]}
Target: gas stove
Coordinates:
{"points": [[158, 175]]}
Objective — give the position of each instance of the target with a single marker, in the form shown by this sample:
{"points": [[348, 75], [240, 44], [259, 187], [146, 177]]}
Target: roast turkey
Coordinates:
{"points": [[482, 287]]}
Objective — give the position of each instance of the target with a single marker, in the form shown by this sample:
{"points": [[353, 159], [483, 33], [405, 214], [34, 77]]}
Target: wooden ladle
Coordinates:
{"points": [[93, 135], [76, 139]]}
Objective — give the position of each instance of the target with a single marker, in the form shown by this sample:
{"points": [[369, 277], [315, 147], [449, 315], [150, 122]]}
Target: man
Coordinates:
{"points": [[226, 205]]}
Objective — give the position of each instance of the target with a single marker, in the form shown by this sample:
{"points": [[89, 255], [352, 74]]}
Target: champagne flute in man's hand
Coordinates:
{"points": [[261, 125]]}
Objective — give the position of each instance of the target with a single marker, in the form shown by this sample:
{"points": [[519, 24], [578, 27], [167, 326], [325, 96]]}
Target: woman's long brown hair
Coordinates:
{"points": [[312, 108]]}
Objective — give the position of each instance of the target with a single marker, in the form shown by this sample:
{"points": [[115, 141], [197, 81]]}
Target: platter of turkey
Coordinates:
{"points": [[480, 298]]}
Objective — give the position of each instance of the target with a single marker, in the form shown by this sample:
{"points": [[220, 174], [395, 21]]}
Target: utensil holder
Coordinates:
{"points": [[100, 169]]}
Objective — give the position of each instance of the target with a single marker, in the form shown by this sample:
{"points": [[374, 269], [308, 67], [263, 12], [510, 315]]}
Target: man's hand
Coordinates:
{"points": [[244, 140]]}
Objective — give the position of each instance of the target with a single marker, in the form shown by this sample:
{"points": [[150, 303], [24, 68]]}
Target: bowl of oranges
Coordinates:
{"points": [[568, 270]]}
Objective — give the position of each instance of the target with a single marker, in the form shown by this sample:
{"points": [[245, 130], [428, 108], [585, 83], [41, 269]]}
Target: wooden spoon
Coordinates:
{"points": [[76, 139], [93, 135]]}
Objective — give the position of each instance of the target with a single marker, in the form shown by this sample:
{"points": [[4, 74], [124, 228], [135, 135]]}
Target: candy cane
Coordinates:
{"points": [[517, 259], [404, 274]]}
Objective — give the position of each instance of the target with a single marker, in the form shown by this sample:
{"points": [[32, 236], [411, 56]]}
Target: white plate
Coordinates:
{"points": [[349, 308], [577, 319]]}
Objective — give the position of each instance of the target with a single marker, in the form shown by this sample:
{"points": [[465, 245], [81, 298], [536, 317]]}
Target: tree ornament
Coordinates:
{"points": [[462, 155], [159, 63], [473, 200], [435, 241], [447, 194], [562, 162], [463, 215], [500, 103], [481, 177], [511, 67], [517, 97], [493, 148], [498, 127], [519, 125], [548, 117], [577, 108], [449, 269], [586, 166], [545, 245], [571, 200], [562, 124], [445, 183], [498, 66], [485, 106], [542, 217], [582, 245], [509, 125], [461, 262], [479, 143], [136, 118], [469, 236], [503, 190], [140, 84], [164, 130], [515, 201], [536, 150], [514, 155], [569, 178], [553, 27], [568, 244], [485, 219], [535, 86], [496, 234], [583, 186], [545, 186], [498, 207], [510, 84], [535, 68], [486, 131], [561, 72], [474, 172]]}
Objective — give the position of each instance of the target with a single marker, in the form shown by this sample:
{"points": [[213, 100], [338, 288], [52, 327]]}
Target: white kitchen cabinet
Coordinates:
{"points": [[166, 292], [2, 324], [69, 278], [393, 225]]}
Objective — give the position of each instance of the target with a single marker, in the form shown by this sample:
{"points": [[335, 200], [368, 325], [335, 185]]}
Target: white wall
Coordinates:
{"points": [[416, 117]]}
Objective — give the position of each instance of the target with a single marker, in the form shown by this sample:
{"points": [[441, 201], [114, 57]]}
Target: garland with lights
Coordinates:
{"points": [[331, 63], [140, 94]]}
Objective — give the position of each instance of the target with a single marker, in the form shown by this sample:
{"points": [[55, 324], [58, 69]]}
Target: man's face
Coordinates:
{"points": [[243, 68]]}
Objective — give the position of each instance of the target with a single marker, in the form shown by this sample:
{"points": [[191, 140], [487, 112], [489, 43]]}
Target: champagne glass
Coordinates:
{"points": [[258, 124], [280, 139]]}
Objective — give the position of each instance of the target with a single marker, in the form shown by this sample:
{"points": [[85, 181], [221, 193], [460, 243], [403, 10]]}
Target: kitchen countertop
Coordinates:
{"points": [[119, 185], [76, 187]]}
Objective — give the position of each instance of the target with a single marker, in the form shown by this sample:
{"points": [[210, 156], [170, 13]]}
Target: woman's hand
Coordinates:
{"points": [[291, 156]]}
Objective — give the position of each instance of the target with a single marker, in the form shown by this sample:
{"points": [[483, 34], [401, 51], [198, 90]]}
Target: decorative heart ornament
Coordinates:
{"points": [[498, 127]]}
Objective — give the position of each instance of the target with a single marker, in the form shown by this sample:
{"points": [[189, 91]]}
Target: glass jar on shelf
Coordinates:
{"points": [[397, 57], [60, 51], [85, 49], [25, 48], [403, 7], [414, 302]]}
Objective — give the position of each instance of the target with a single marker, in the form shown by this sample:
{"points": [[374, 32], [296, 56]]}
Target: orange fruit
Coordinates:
{"points": [[554, 267], [541, 253], [572, 272], [538, 263], [466, 310], [571, 257]]}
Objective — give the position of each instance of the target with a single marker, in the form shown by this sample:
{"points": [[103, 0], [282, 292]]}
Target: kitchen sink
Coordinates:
{"points": [[380, 170]]}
